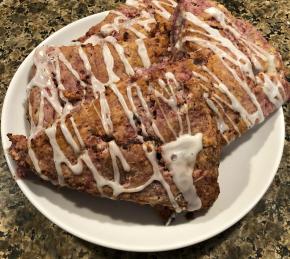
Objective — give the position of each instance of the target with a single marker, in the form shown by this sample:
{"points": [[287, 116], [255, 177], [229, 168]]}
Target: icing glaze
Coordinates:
{"points": [[143, 54], [116, 153], [222, 126], [161, 10], [180, 155]]}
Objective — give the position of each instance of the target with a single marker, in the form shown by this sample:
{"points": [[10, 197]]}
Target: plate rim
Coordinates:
{"points": [[97, 240]]}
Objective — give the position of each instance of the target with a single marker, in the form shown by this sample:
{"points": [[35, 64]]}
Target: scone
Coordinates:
{"points": [[150, 139]]}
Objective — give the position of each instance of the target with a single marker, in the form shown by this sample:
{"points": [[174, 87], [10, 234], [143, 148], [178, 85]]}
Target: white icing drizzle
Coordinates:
{"points": [[78, 135], [165, 117], [218, 102], [271, 90], [99, 88], [60, 57], [120, 18], [172, 3], [134, 3], [109, 61], [30, 112], [105, 113], [264, 55], [122, 101], [241, 59], [143, 54], [134, 109], [222, 126], [94, 40], [53, 99], [34, 159], [59, 157], [63, 59], [200, 76], [139, 34], [121, 52], [161, 10], [173, 84], [41, 109], [157, 175], [170, 219], [116, 153], [251, 117], [255, 49], [261, 53], [43, 80], [180, 155], [146, 109], [149, 19], [108, 58], [121, 21], [99, 179], [169, 101], [68, 136], [235, 104]]}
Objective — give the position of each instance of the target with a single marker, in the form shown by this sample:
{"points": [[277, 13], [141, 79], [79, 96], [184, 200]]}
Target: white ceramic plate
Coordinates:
{"points": [[247, 170]]}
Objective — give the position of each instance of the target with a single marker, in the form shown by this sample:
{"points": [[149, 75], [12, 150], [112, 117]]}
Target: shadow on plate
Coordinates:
{"points": [[96, 208]]}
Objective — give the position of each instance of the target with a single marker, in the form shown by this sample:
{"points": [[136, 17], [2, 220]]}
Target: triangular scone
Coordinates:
{"points": [[151, 140], [65, 76], [246, 74]]}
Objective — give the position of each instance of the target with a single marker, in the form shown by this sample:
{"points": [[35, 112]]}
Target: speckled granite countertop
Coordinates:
{"points": [[25, 233]]}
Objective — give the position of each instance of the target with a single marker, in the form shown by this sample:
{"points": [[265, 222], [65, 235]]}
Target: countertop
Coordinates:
{"points": [[25, 233]]}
